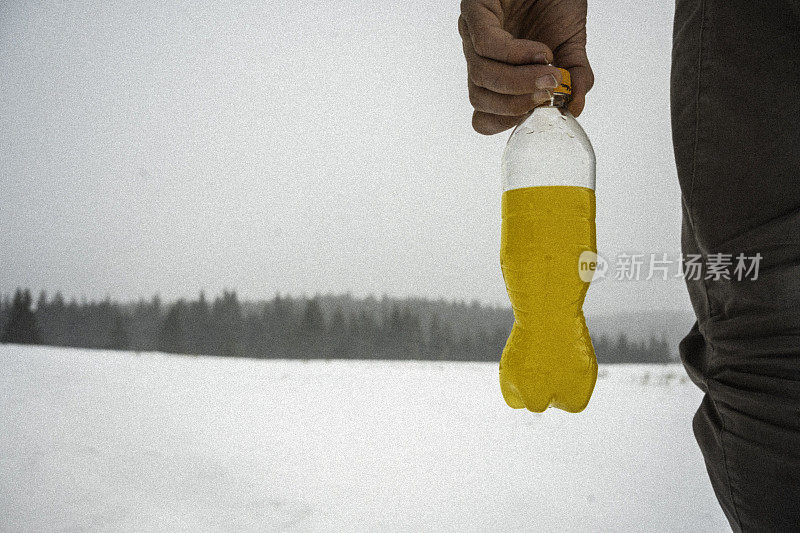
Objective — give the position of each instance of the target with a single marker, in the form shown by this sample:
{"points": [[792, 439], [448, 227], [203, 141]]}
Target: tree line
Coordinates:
{"points": [[340, 327]]}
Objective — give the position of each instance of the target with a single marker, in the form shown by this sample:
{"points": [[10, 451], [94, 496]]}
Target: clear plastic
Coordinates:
{"points": [[547, 236], [548, 148]]}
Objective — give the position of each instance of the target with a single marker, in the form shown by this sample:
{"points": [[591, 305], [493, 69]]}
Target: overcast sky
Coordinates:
{"points": [[300, 147]]}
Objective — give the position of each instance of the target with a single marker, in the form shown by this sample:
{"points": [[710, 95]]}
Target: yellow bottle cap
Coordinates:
{"points": [[566, 83]]}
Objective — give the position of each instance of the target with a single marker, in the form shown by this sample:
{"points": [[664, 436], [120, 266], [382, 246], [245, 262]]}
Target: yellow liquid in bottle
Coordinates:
{"points": [[548, 359]]}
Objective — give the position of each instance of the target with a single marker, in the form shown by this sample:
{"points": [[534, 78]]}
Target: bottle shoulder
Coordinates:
{"points": [[549, 147]]}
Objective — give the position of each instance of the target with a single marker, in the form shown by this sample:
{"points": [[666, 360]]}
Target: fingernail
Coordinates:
{"points": [[548, 81], [540, 58], [541, 96]]}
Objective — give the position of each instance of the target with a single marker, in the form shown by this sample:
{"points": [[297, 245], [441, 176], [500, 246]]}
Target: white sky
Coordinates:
{"points": [[300, 147]]}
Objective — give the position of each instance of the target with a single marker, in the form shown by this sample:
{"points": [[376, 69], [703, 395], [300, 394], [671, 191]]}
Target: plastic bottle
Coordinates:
{"points": [[548, 227]]}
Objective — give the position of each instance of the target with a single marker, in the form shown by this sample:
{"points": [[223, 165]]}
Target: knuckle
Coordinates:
{"points": [[490, 77], [499, 82], [477, 73], [469, 6], [494, 79], [519, 106], [474, 100], [479, 44]]}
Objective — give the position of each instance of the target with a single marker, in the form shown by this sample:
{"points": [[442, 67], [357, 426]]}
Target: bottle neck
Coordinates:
{"points": [[559, 100]]}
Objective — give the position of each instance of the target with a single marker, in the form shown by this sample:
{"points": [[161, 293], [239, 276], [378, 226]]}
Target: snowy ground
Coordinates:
{"points": [[117, 441]]}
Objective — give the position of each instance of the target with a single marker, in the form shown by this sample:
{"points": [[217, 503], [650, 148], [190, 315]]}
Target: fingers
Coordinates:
{"points": [[503, 94], [572, 56], [480, 23], [489, 124], [582, 81], [494, 103], [509, 79]]}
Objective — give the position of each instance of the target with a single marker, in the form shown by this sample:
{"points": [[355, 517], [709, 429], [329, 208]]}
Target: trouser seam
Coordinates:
{"points": [[709, 310], [724, 431], [695, 147]]}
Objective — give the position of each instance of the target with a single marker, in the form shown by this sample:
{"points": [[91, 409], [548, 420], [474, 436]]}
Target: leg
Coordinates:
{"points": [[736, 130]]}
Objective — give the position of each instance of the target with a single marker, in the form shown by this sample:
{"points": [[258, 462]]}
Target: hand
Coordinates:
{"points": [[508, 45]]}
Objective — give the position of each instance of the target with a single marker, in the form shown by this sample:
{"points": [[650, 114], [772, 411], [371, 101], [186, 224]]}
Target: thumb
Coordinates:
{"points": [[572, 56], [582, 80]]}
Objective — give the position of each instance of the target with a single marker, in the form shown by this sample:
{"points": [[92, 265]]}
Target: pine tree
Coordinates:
{"points": [[21, 326], [658, 350], [338, 340], [282, 327], [172, 337], [412, 338], [364, 332], [199, 329], [436, 343], [226, 316], [622, 351], [41, 303], [5, 310], [119, 339], [391, 336], [313, 322], [312, 329]]}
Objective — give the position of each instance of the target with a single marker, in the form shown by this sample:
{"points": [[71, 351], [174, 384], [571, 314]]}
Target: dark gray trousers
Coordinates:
{"points": [[735, 101]]}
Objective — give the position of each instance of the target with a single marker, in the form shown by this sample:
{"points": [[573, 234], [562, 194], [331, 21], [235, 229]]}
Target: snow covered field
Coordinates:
{"points": [[100, 441]]}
